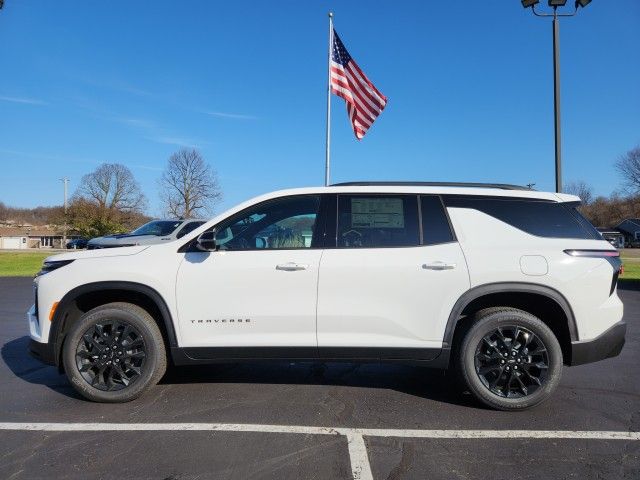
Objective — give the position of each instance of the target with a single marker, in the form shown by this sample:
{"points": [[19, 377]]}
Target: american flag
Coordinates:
{"points": [[364, 100]]}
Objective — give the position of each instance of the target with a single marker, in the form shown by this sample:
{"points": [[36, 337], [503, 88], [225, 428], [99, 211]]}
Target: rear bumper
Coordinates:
{"points": [[607, 345]]}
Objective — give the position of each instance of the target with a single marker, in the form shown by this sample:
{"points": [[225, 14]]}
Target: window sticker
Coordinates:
{"points": [[377, 213]]}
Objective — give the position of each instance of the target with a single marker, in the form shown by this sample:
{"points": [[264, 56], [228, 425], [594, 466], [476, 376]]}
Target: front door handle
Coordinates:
{"points": [[439, 266], [291, 266]]}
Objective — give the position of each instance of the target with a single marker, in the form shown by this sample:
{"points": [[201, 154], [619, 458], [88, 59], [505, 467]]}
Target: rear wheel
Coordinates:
{"points": [[509, 359], [114, 353]]}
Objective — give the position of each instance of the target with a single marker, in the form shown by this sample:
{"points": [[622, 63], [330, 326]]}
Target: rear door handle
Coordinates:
{"points": [[291, 266], [438, 266]]}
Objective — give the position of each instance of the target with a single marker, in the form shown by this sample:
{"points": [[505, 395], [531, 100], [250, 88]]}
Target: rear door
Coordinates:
{"points": [[390, 281]]}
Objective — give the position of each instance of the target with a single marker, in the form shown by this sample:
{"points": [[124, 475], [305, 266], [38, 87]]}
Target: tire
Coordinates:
{"points": [[118, 374], [509, 383]]}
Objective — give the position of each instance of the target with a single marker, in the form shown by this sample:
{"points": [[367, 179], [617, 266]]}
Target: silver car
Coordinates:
{"points": [[156, 231]]}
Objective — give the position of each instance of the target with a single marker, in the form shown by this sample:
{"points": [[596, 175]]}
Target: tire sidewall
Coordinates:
{"points": [[488, 324], [152, 351]]}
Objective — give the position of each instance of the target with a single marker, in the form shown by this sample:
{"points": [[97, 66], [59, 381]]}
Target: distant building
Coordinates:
{"points": [[29, 237], [613, 236], [630, 229]]}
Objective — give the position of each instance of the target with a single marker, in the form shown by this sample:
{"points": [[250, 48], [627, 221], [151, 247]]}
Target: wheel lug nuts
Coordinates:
{"points": [[508, 368]]}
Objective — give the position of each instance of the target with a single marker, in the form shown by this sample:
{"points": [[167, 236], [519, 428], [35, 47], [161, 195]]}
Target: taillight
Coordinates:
{"points": [[593, 253], [611, 256]]}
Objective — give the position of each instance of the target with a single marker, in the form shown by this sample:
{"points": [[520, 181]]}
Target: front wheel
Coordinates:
{"points": [[510, 360], [114, 353]]}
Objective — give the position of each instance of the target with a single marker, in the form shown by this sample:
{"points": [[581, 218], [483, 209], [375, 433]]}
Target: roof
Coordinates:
{"points": [[494, 190], [501, 186], [635, 221], [28, 231]]}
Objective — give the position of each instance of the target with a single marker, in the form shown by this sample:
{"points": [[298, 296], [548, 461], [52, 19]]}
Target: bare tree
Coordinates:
{"points": [[189, 186], [628, 165], [112, 186], [580, 189]]}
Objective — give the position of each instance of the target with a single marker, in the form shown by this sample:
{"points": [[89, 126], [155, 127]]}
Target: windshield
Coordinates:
{"points": [[157, 227]]}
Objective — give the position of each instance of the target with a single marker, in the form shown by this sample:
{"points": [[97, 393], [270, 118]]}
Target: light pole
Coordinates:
{"points": [[64, 180], [556, 70]]}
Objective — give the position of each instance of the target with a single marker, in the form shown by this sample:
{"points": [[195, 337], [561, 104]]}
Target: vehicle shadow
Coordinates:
{"points": [[15, 355], [419, 381], [412, 380], [632, 285]]}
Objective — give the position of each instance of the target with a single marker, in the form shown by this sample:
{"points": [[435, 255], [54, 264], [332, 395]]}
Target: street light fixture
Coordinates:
{"points": [[556, 69]]}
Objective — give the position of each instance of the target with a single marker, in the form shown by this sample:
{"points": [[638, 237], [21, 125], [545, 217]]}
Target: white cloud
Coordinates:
{"points": [[24, 100], [179, 141], [236, 116]]}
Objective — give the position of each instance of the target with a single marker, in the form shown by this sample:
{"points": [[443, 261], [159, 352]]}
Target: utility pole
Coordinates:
{"points": [[65, 180], [554, 4]]}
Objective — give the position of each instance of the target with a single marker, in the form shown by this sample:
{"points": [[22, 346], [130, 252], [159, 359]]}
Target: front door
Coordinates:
{"points": [[260, 288], [388, 287]]}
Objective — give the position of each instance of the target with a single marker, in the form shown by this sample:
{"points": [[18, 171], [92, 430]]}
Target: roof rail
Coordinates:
{"points": [[502, 186]]}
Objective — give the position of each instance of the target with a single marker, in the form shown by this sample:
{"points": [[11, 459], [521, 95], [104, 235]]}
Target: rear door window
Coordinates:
{"points": [[377, 221]]}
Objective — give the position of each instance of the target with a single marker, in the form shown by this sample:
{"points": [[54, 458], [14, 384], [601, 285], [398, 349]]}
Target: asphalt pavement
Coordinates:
{"points": [[334, 402]]}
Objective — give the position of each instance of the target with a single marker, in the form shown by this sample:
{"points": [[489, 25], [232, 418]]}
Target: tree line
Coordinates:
{"points": [[625, 203], [110, 200]]}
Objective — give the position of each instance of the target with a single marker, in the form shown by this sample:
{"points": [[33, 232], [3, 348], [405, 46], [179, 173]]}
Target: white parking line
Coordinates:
{"points": [[358, 457]]}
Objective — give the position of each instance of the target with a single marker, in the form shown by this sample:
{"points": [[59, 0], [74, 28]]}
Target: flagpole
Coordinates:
{"points": [[327, 162]]}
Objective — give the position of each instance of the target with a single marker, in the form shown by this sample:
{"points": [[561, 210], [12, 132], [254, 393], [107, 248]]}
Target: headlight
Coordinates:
{"points": [[50, 266]]}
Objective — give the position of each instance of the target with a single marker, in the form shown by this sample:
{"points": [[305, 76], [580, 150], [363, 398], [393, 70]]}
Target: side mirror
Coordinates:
{"points": [[206, 242]]}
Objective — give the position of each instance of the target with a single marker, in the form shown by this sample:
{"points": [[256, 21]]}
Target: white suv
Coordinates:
{"points": [[500, 283]]}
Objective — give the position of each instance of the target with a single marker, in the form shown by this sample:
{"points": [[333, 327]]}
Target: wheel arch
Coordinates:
{"points": [[85, 297], [543, 301]]}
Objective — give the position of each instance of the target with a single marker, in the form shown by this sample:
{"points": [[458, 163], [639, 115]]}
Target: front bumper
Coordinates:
{"points": [[608, 344], [42, 351]]}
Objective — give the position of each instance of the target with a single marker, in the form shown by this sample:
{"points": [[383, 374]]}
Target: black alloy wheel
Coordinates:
{"points": [[111, 355], [508, 359], [512, 362]]}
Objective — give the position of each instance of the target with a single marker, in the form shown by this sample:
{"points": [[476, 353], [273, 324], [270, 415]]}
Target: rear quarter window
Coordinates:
{"points": [[537, 217]]}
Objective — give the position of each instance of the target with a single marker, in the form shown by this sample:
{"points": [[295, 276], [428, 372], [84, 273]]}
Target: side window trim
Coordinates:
{"points": [[446, 213], [420, 226], [454, 237]]}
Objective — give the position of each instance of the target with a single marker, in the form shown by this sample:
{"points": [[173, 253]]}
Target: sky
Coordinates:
{"points": [[469, 83]]}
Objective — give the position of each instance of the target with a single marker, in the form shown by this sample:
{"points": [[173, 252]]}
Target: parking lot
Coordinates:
{"points": [[305, 420]]}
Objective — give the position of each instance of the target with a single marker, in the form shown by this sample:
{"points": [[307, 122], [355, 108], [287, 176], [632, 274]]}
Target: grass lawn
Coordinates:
{"points": [[21, 264], [631, 262]]}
